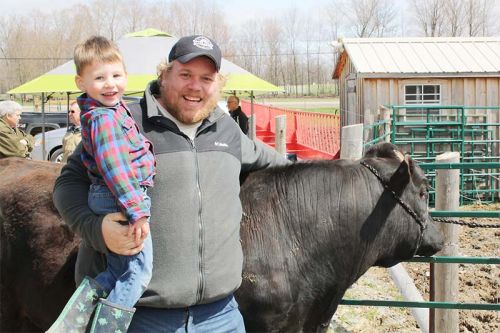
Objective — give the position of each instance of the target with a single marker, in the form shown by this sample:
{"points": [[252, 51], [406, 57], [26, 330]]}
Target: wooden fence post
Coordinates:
{"points": [[446, 275], [351, 144], [251, 127], [280, 132], [385, 115]]}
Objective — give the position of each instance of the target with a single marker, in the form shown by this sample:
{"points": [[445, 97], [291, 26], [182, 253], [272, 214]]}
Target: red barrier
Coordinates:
{"points": [[309, 135]]}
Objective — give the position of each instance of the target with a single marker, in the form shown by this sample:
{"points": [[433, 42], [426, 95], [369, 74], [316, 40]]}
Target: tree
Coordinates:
{"points": [[477, 18], [292, 23], [455, 16], [134, 15], [430, 15], [366, 18], [271, 32]]}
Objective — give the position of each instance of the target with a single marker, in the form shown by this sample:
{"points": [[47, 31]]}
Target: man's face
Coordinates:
{"points": [[190, 91], [13, 119], [232, 103], [74, 114], [104, 82]]}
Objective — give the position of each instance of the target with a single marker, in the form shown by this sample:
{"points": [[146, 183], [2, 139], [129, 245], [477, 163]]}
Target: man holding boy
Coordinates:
{"points": [[200, 152]]}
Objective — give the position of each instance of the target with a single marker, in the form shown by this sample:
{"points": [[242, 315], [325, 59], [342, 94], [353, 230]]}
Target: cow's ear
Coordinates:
{"points": [[411, 164], [402, 176]]}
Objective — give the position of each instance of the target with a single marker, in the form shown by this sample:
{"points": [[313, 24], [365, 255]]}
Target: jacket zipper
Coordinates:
{"points": [[199, 292]]}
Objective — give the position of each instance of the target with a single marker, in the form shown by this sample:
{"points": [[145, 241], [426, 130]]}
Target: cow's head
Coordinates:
{"points": [[402, 176]]}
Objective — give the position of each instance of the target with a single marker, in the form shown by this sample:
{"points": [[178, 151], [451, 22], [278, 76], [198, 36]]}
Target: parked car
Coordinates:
{"points": [[33, 122], [53, 146]]}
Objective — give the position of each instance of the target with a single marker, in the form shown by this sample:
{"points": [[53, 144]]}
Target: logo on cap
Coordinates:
{"points": [[203, 43]]}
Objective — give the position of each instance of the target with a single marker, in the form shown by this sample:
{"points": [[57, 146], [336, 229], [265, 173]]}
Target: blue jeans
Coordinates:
{"points": [[217, 317], [126, 277]]}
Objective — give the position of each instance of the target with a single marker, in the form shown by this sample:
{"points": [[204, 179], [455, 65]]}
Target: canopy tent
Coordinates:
{"points": [[142, 51]]}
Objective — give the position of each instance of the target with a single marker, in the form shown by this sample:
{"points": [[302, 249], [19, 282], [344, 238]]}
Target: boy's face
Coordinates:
{"points": [[104, 82]]}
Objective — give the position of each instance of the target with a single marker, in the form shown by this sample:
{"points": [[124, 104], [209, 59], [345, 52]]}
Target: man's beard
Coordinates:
{"points": [[188, 118]]}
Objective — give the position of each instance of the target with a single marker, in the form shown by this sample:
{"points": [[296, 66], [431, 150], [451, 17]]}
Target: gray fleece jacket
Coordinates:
{"points": [[195, 213]]}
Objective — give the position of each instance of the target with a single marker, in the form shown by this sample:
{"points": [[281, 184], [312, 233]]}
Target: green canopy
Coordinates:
{"points": [[142, 51]]}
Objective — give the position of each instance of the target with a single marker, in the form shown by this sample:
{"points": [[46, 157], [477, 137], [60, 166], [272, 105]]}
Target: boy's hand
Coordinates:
{"points": [[139, 229]]}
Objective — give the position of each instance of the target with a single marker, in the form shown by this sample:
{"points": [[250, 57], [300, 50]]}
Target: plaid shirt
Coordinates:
{"points": [[117, 154]]}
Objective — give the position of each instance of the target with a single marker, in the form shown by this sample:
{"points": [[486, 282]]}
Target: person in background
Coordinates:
{"points": [[120, 163], [233, 104], [200, 152], [73, 135], [13, 141]]}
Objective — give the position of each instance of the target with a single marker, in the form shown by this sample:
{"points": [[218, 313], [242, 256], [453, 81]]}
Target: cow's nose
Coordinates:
{"points": [[432, 240]]}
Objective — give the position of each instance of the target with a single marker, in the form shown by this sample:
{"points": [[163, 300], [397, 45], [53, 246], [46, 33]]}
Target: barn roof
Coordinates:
{"points": [[424, 56]]}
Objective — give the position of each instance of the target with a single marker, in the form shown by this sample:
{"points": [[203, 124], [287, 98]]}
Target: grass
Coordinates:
{"points": [[318, 110]]}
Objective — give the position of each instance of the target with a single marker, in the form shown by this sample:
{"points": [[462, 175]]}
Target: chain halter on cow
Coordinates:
{"points": [[421, 222]]}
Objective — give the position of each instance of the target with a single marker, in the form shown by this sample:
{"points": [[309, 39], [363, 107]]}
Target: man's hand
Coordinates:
{"points": [[116, 235], [140, 230]]}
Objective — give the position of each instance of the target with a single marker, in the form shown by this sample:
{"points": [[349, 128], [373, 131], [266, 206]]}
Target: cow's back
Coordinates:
{"points": [[37, 249]]}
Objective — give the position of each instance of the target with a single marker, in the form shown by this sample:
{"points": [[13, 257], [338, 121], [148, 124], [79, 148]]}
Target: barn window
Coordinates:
{"points": [[427, 94]]}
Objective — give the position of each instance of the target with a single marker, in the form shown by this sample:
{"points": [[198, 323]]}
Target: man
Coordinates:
{"points": [[195, 212], [13, 141], [74, 134], [233, 104]]}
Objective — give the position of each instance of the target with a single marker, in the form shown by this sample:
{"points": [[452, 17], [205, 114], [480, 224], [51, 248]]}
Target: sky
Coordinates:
{"points": [[237, 9]]}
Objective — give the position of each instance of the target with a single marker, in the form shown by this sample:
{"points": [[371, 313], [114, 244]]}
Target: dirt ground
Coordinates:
{"points": [[477, 284]]}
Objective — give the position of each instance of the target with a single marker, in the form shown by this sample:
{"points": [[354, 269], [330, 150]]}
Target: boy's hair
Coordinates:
{"points": [[95, 49]]}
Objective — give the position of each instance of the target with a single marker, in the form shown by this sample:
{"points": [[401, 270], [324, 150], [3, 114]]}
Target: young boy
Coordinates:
{"points": [[121, 165]]}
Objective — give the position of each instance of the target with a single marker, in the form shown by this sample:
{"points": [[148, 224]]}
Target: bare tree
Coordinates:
{"points": [[292, 23], [430, 15], [160, 16], [385, 17], [214, 23], [362, 17], [198, 17], [477, 18], [247, 45], [271, 32], [333, 16], [106, 14], [454, 16], [365, 18], [133, 13]]}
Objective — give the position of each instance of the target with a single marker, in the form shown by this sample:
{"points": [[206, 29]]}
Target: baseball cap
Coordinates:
{"points": [[190, 47]]}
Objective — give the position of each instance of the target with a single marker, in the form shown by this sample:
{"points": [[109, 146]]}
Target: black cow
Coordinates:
{"points": [[309, 231], [312, 229]]}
